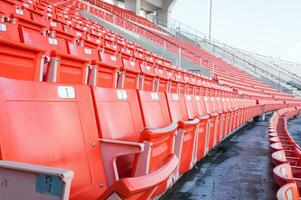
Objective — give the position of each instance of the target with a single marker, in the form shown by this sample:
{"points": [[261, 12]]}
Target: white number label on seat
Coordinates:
{"points": [[53, 24], [3, 27], [66, 92], [19, 12], [88, 51], [132, 63], [113, 58], [121, 94], [52, 41], [154, 96]]}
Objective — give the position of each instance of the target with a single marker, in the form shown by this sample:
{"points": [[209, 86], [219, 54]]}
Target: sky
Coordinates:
{"points": [[267, 27]]}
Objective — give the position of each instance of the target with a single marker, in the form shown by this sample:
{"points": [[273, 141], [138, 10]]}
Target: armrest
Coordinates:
{"points": [[34, 181], [128, 187], [135, 145], [159, 132], [220, 112], [213, 114], [204, 117], [188, 123], [116, 148]]}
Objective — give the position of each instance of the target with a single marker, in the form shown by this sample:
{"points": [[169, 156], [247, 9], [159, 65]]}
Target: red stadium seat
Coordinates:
{"points": [[105, 73], [149, 82], [18, 60], [213, 121], [66, 120], [65, 117], [130, 74], [285, 173], [280, 157], [288, 192], [185, 141], [124, 133], [163, 79]]}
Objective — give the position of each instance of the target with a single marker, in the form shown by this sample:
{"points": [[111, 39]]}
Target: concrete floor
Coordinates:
{"points": [[239, 168], [294, 127]]}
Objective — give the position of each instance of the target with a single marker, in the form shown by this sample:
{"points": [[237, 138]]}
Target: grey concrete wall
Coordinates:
{"points": [[133, 5]]}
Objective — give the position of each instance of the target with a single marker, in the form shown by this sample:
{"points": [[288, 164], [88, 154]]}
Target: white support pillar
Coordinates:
{"points": [[133, 5], [163, 15], [115, 2]]}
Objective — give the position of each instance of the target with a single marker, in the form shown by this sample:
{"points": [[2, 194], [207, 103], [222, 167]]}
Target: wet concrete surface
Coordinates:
{"points": [[294, 127], [239, 168]]}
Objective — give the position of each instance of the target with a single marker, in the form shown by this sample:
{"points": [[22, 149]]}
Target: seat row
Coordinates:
{"points": [[67, 55], [285, 154], [197, 55], [118, 143]]}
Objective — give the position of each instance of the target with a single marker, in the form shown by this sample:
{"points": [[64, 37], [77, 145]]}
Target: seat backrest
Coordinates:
{"points": [[148, 72], [163, 79], [82, 52], [154, 109], [176, 104], [118, 114], [208, 104], [17, 60], [106, 73], [214, 103], [43, 123], [49, 44], [119, 118], [199, 105], [190, 105], [9, 31], [131, 71]]}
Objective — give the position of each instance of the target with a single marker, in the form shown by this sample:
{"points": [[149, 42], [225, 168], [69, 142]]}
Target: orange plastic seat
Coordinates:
{"points": [[21, 61], [130, 74], [187, 130], [286, 173], [43, 125], [122, 133], [203, 137], [106, 72], [64, 66], [213, 122], [149, 81], [288, 192]]}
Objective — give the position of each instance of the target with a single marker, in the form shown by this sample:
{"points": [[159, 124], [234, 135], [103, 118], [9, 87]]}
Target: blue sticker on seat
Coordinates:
{"points": [[50, 185]]}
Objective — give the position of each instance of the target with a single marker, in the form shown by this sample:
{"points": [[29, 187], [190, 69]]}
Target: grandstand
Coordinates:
{"points": [[99, 102]]}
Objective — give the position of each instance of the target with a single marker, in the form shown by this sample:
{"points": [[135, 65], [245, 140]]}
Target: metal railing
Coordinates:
{"points": [[273, 70]]}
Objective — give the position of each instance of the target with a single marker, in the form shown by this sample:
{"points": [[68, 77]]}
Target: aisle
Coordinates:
{"points": [[239, 168], [294, 127]]}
